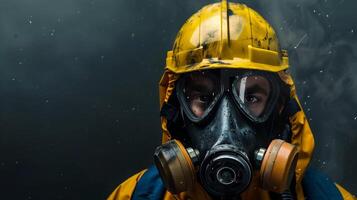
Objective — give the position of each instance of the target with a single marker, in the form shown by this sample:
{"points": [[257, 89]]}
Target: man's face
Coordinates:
{"points": [[201, 88]]}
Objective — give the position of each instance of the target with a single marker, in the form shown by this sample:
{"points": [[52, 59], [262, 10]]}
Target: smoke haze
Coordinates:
{"points": [[79, 108]]}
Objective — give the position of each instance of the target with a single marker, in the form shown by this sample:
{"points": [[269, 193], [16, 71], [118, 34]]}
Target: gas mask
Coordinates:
{"points": [[225, 134]]}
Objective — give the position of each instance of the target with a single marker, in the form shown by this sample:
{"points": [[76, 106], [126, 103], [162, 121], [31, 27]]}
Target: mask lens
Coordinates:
{"points": [[253, 93], [200, 90]]}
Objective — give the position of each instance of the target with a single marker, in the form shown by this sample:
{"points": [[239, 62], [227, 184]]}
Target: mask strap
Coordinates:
{"points": [[292, 107], [169, 111]]}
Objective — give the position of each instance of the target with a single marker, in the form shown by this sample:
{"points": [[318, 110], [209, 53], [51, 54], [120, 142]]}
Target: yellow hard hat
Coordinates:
{"points": [[226, 35]]}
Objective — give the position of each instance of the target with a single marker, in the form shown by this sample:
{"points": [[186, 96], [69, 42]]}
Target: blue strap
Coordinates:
{"points": [[150, 186], [293, 107], [318, 186]]}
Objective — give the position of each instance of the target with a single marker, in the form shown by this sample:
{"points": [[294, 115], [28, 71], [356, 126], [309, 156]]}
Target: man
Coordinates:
{"points": [[232, 124]]}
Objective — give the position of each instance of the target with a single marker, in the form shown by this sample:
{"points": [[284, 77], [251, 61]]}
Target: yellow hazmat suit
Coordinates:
{"points": [[229, 35]]}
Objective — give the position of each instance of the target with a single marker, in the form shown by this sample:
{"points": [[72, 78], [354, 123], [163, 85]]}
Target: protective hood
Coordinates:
{"points": [[231, 35]]}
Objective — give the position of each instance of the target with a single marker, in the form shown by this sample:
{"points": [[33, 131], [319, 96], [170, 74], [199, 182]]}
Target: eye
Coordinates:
{"points": [[199, 103], [251, 99]]}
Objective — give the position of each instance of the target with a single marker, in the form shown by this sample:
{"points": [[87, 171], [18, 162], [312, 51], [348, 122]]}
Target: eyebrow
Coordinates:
{"points": [[199, 87], [201, 83], [256, 88]]}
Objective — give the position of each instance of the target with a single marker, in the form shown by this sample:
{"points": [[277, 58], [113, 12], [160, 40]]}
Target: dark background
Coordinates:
{"points": [[79, 108]]}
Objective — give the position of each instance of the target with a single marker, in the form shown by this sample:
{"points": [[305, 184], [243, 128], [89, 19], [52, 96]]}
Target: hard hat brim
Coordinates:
{"points": [[207, 64]]}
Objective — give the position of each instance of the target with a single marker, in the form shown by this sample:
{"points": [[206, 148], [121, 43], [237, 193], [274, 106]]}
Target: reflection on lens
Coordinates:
{"points": [[253, 92]]}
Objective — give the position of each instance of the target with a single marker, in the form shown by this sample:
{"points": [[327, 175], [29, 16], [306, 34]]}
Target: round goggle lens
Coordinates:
{"points": [[200, 90], [253, 93]]}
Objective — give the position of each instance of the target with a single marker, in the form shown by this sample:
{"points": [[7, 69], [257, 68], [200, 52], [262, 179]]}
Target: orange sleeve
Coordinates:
{"points": [[346, 195], [125, 190]]}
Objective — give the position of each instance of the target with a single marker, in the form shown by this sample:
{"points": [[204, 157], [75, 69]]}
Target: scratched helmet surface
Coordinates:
{"points": [[226, 35]]}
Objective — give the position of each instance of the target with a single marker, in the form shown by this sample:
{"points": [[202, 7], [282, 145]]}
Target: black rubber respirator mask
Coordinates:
{"points": [[226, 125]]}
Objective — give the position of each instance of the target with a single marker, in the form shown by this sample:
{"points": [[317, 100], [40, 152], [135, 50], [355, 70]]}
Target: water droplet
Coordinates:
{"points": [[52, 33]]}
